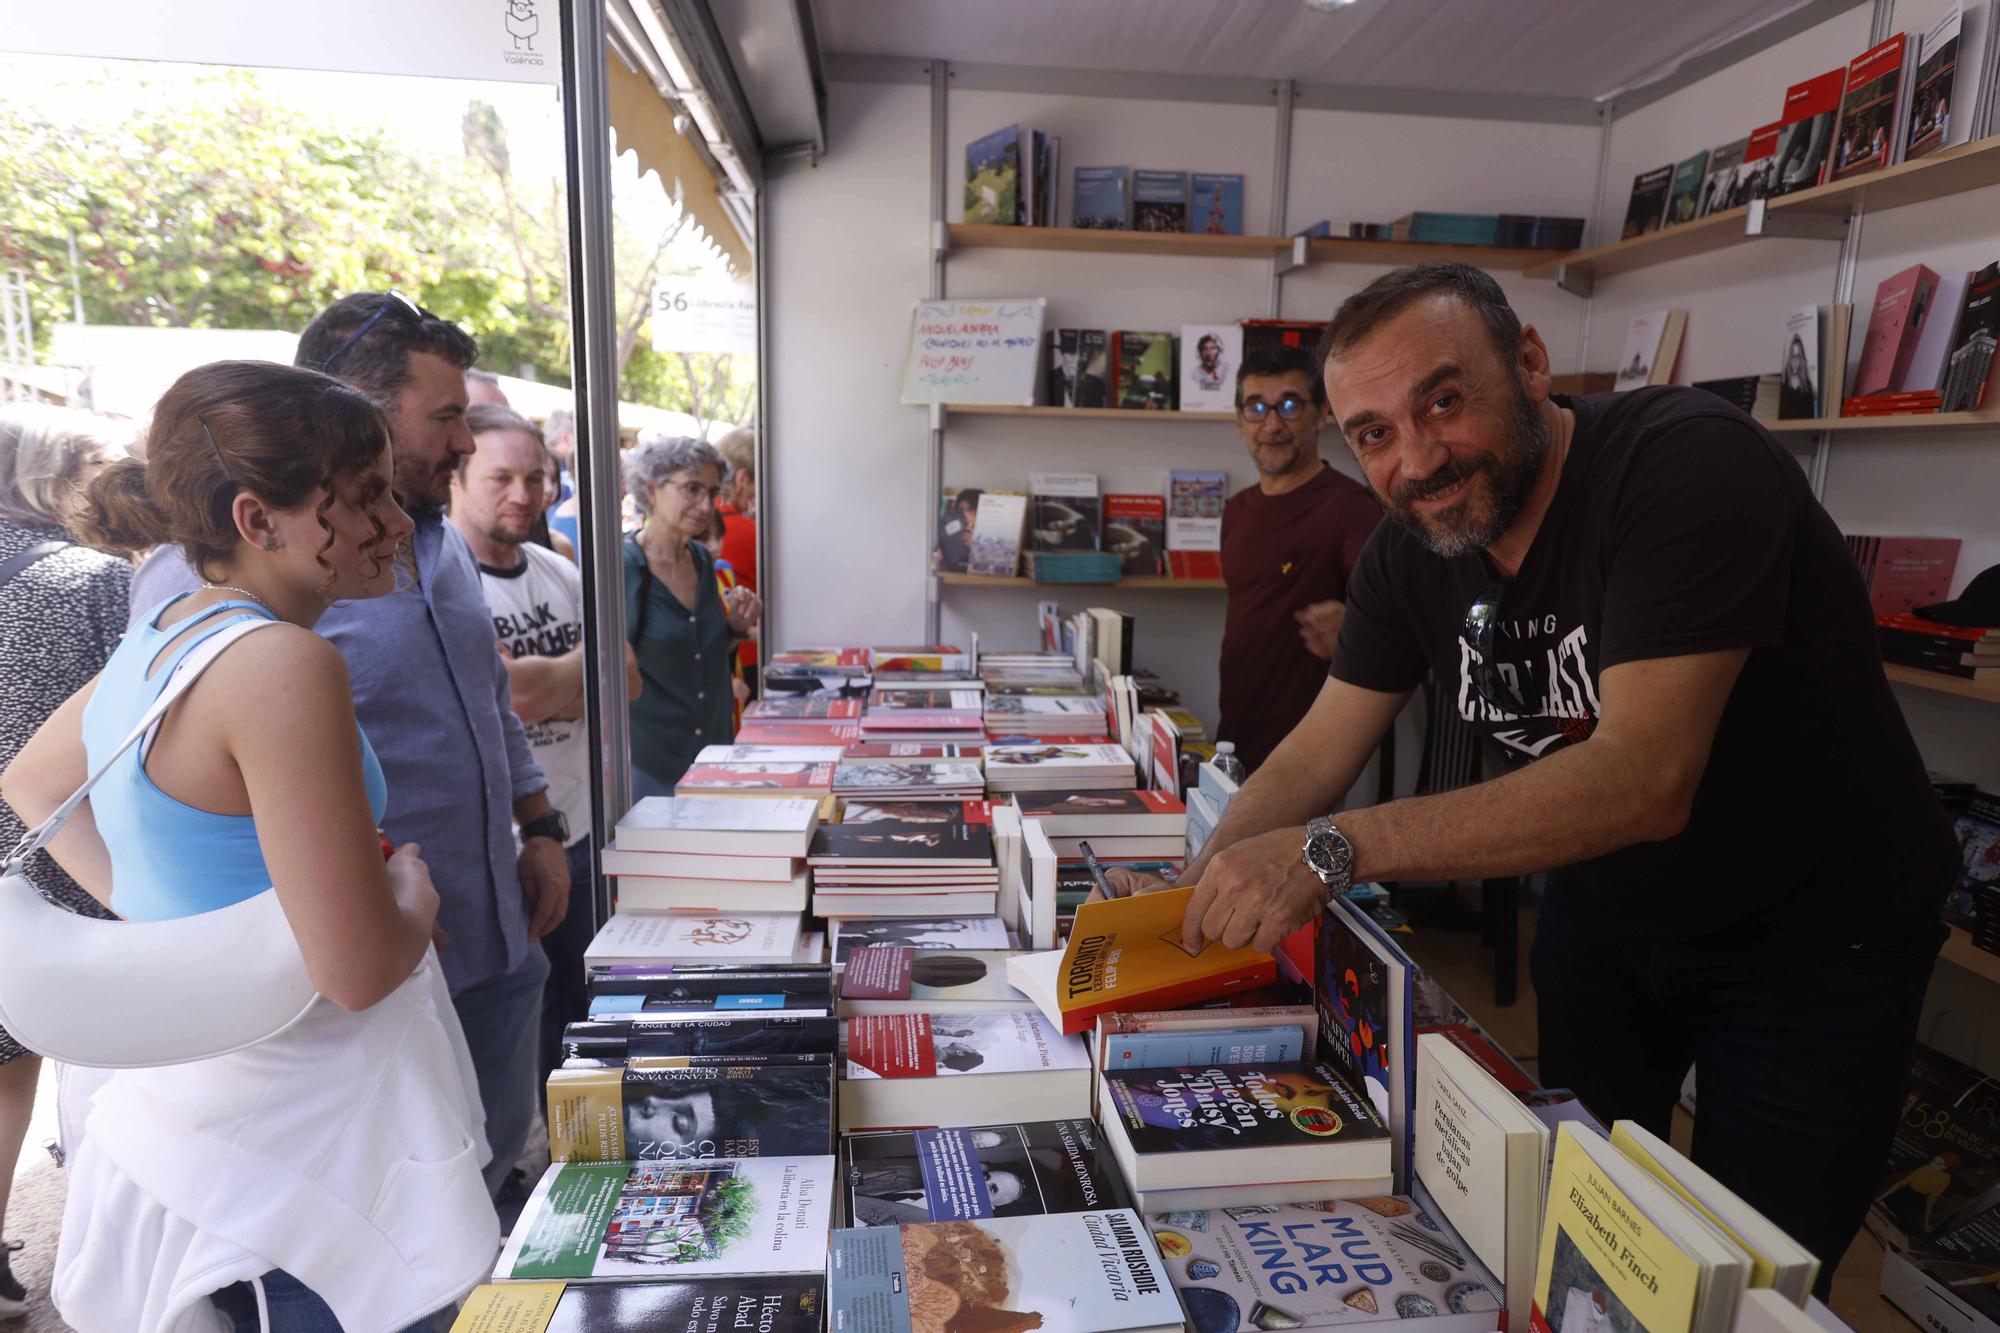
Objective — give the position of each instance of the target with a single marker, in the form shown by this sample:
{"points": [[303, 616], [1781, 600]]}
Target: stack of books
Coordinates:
{"points": [[1120, 826], [702, 854], [761, 770], [1756, 395], [1044, 715], [959, 1068], [802, 711], [933, 660], [1970, 652], [904, 868], [924, 713], [1059, 766], [897, 780]]}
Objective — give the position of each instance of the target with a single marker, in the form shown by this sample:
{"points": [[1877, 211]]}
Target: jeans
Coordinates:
{"points": [[563, 998], [502, 1028], [1800, 1059], [292, 1307]]}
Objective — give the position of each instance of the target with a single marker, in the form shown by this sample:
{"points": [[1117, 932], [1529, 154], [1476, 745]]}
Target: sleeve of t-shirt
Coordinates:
{"points": [[1700, 544], [1378, 649]]}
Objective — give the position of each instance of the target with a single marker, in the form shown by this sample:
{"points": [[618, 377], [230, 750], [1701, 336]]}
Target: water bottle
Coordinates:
{"points": [[1227, 763]]}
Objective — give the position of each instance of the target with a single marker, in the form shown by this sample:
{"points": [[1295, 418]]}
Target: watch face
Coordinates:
{"points": [[1329, 856]]}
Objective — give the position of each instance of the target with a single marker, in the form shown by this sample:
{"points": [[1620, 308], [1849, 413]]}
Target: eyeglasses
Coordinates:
{"points": [[696, 492], [392, 300], [1500, 689], [1289, 407]]}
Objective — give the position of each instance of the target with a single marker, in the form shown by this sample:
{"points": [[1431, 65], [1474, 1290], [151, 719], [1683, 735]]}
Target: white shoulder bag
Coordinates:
{"points": [[130, 994]]}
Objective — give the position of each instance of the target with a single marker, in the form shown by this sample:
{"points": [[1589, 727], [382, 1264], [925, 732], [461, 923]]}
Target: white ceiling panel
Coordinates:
{"points": [[1551, 48]]}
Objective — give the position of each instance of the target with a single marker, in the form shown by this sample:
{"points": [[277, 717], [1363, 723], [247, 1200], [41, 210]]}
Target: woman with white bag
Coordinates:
{"points": [[289, 1139]]}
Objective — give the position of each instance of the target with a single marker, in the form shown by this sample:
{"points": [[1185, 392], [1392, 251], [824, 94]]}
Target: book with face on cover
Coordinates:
{"points": [[1719, 180], [1873, 108], [1086, 1272], [666, 1220], [987, 933], [639, 1112], [963, 1174], [959, 1069], [765, 1304]]}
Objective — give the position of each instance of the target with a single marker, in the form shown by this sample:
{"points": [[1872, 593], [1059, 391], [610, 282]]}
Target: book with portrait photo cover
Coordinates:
{"points": [[892, 843], [979, 1171], [908, 1070], [645, 1112], [903, 980], [766, 1304], [954, 932]]}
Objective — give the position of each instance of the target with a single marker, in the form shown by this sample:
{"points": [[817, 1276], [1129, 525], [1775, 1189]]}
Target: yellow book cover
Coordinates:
{"points": [[1604, 1266], [1762, 1270], [516, 1307], [1126, 953]]}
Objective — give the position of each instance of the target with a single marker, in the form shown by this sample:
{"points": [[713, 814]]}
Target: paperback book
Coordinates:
{"points": [[1799, 385], [1646, 210], [691, 1304], [959, 1069], [676, 1037], [1904, 303], [1103, 200], [1872, 108], [1159, 200], [966, 1174], [1969, 362], [1757, 173], [995, 548], [1718, 186], [982, 933], [1215, 204], [993, 178], [630, 937], [1079, 368], [1195, 500], [1210, 356], [1143, 366], [1684, 201], [711, 826], [647, 1113], [915, 981], [1066, 514], [1135, 528], [1805, 143]]}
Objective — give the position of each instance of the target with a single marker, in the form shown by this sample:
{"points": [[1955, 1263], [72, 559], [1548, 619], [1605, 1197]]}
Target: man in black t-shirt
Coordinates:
{"points": [[1638, 599]]}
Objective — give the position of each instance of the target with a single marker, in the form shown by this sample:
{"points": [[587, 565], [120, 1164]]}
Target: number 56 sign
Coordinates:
{"points": [[702, 314]]}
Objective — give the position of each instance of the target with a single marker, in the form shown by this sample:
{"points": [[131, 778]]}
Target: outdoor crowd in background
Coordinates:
{"points": [[453, 599]]}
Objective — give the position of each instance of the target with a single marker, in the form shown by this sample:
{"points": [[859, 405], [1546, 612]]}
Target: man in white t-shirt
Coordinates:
{"points": [[536, 598]]}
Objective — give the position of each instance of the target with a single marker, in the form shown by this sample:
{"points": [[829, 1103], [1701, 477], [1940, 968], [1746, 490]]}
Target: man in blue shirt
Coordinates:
{"points": [[431, 693]]}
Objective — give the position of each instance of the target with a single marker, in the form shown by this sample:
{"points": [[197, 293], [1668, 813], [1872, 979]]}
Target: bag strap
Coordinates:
{"points": [[21, 559], [198, 660]]}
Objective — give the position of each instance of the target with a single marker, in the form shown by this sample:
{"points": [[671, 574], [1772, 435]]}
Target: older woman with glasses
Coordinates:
{"points": [[683, 628]]}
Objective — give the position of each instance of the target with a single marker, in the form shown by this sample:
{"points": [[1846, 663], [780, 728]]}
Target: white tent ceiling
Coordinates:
{"points": [[1549, 48]]}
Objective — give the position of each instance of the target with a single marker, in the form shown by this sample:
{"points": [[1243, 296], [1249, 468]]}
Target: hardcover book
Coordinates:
{"points": [[1144, 366], [1079, 368], [765, 1304], [1322, 1265], [1805, 142], [1719, 182], [993, 178], [1215, 204], [1159, 200], [646, 1113], [982, 1171], [1210, 356], [996, 536], [1646, 210], [1089, 1272], [1103, 200], [1871, 108], [1684, 201], [1135, 527], [1066, 514], [668, 1220]]}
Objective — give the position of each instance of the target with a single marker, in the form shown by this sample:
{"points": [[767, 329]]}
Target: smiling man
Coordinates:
{"points": [[1637, 597], [1289, 545]]}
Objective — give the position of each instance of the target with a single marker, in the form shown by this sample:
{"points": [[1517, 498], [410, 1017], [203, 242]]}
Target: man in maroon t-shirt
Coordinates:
{"points": [[1288, 544]]}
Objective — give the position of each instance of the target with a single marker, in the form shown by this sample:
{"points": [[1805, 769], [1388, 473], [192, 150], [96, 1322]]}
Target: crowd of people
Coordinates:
{"points": [[399, 756]]}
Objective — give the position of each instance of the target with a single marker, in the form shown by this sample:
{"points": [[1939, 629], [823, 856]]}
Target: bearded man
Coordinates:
{"points": [[1638, 598]]}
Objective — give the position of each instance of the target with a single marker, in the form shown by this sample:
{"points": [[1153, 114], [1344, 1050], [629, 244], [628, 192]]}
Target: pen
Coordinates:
{"points": [[1096, 869]]}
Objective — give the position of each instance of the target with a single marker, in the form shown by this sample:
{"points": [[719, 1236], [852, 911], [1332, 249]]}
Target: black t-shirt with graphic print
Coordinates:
{"points": [[1680, 526]]}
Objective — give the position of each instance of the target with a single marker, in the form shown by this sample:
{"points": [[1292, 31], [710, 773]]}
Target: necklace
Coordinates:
{"points": [[230, 587]]}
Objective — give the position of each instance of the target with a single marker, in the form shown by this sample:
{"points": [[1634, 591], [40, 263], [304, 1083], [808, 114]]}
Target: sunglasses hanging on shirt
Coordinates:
{"points": [[1500, 689]]}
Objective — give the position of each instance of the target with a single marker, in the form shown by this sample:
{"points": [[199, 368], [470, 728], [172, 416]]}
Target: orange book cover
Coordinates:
{"points": [[1126, 954]]}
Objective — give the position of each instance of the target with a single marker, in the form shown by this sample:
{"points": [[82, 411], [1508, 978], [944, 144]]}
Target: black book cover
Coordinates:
{"points": [[684, 1305], [701, 1061], [1946, 1151], [641, 1037], [1972, 343], [897, 840], [1239, 1106], [809, 984], [728, 1111], [953, 1175], [1078, 368], [1647, 209]]}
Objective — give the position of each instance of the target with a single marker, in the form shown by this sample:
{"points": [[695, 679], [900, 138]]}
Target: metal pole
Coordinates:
{"points": [[1606, 114], [1286, 94], [760, 266], [940, 74], [587, 161]]}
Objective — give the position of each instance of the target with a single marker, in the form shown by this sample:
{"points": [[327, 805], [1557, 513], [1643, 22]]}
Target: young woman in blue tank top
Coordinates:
{"points": [[278, 483]]}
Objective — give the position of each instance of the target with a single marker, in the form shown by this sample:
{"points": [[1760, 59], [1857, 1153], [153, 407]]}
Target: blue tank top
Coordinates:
{"points": [[169, 859]]}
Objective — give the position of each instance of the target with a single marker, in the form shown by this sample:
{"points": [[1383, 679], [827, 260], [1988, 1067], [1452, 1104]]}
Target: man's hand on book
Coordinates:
{"points": [[1254, 892], [1125, 883]]}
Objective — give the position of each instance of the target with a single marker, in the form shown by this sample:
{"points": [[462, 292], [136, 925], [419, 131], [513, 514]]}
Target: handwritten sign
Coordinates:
{"points": [[704, 314], [985, 351]]}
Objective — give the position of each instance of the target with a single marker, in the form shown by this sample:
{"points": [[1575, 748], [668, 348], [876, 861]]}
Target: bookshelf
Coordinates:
{"points": [[1023, 581], [1923, 421], [1193, 245], [1969, 166], [1982, 690], [1959, 949], [1081, 413]]}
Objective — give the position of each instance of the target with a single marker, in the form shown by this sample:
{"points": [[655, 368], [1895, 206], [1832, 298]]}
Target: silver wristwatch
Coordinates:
{"points": [[1329, 855]]}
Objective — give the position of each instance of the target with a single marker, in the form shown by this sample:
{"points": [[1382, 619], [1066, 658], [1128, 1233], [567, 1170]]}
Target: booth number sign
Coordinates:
{"points": [[704, 315]]}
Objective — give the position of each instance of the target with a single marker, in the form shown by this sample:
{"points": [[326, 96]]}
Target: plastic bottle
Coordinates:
{"points": [[1227, 763]]}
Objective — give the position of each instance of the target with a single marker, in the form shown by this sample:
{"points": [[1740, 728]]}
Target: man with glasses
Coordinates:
{"points": [[1289, 544], [1637, 597]]}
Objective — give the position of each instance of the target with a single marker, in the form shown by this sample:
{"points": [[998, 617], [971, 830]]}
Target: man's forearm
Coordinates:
{"points": [[546, 687], [1289, 789]]}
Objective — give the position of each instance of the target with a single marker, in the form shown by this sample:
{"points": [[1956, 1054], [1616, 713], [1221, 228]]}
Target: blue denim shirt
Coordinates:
{"points": [[432, 697]]}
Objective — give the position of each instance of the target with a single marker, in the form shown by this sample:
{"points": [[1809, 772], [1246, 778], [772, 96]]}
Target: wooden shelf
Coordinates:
{"points": [[1960, 949], [1319, 250], [1021, 581], [1082, 413], [1970, 166], [1923, 421], [1983, 690]]}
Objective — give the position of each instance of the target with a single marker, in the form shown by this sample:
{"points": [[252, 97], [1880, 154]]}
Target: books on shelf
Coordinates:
{"points": [[1025, 1169], [1126, 953], [667, 1220], [1756, 395], [1079, 368], [1684, 199], [1159, 200], [1904, 573], [1799, 382], [1718, 186], [1327, 1264], [1201, 1127], [1135, 529], [1969, 360], [1805, 143], [762, 1107], [1757, 173], [993, 178], [1195, 500], [1950, 92], [1652, 345], [1874, 106], [1215, 203], [1065, 512], [1101, 200], [1085, 1272], [1142, 366], [1646, 209], [971, 1068], [1904, 304], [709, 826], [919, 981], [996, 536], [767, 1304], [987, 933], [743, 937], [1210, 356]]}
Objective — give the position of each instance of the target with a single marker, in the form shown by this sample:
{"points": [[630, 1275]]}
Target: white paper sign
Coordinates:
{"points": [[987, 351], [517, 41], [704, 314]]}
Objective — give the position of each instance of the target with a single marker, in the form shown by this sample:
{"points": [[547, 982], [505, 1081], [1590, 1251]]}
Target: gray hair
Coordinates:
{"points": [[738, 448], [43, 453], [658, 456], [561, 421]]}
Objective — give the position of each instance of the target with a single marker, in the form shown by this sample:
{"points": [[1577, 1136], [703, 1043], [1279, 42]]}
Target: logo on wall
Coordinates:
{"points": [[523, 25]]}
